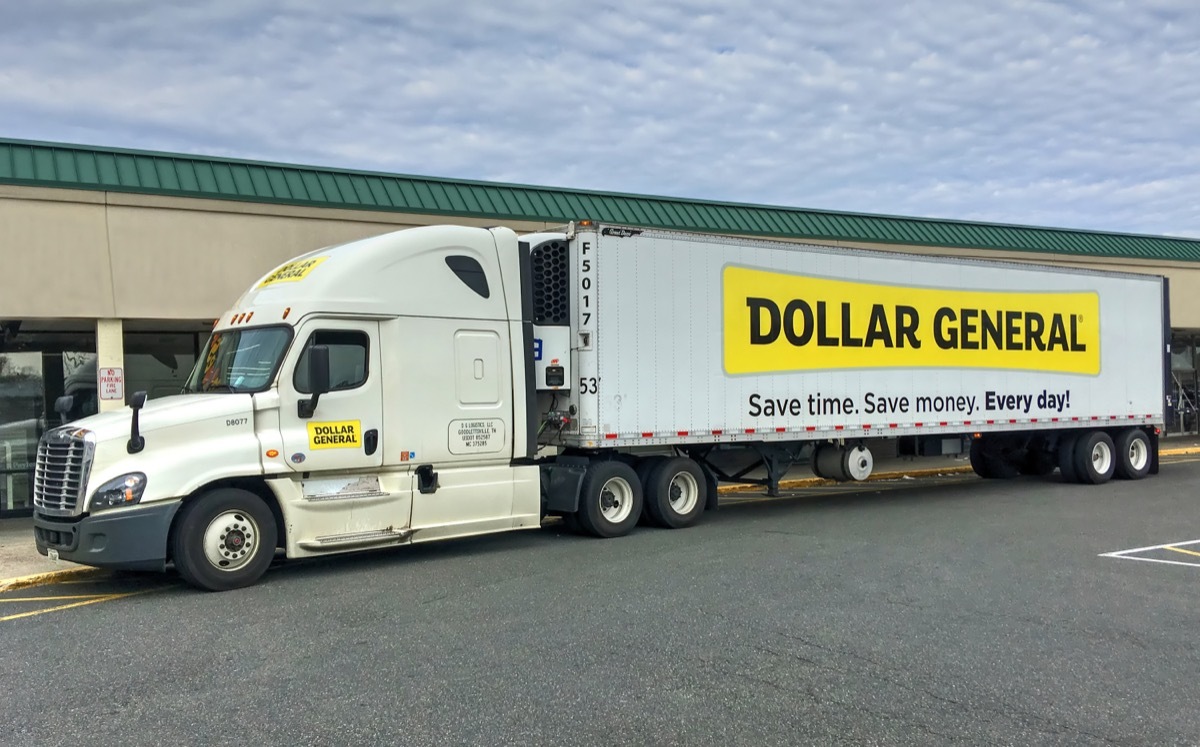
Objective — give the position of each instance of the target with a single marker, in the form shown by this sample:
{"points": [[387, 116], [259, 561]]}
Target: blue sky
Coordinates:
{"points": [[1083, 115]]}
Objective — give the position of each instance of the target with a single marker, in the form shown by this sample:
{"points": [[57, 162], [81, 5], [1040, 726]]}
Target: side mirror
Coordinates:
{"points": [[136, 441], [318, 380], [63, 406], [318, 369]]}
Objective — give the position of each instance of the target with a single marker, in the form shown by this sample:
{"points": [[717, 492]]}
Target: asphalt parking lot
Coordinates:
{"points": [[930, 611]]}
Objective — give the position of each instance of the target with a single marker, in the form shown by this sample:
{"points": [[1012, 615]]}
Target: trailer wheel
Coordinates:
{"points": [[1133, 454], [224, 540], [990, 461], [645, 468], [676, 493], [610, 499], [1095, 460], [1066, 457]]}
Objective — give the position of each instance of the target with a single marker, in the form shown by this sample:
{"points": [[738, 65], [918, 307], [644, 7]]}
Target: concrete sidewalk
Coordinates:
{"points": [[21, 565]]}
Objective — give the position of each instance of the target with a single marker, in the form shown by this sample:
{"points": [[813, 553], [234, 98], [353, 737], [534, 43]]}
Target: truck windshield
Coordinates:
{"points": [[239, 360]]}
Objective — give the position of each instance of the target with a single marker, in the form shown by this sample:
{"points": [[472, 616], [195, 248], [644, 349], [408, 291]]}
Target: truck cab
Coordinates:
{"points": [[366, 395]]}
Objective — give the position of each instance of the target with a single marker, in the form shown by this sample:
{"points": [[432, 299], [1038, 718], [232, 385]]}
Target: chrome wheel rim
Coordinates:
{"points": [[616, 500], [231, 540]]}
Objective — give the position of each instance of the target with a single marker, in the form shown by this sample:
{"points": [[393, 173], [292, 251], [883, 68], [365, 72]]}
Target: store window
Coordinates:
{"points": [[22, 420]]}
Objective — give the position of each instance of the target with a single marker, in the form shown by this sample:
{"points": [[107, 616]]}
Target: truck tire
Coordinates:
{"points": [[1066, 457], [990, 461], [224, 540], [645, 468], [1133, 454], [610, 499], [676, 492], [1095, 458]]}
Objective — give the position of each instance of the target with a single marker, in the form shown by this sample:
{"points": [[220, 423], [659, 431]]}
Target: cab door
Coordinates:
{"points": [[343, 432]]}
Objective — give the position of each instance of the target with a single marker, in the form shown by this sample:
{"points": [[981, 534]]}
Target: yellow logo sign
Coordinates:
{"points": [[344, 434], [292, 271], [781, 322]]}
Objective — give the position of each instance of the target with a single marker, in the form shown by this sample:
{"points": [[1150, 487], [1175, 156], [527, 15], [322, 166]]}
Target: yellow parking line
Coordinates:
{"points": [[105, 598], [1180, 549], [52, 599]]}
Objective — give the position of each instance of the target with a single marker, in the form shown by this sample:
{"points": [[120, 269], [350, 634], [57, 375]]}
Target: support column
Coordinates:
{"points": [[110, 353]]}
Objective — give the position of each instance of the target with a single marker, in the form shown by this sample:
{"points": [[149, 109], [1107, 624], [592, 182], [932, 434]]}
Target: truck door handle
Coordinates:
{"points": [[371, 441]]}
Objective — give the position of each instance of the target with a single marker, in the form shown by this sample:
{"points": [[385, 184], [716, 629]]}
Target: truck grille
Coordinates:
{"points": [[64, 458]]}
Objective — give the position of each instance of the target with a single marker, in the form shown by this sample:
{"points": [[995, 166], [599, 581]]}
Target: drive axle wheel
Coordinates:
{"points": [[610, 499], [224, 540], [675, 493]]}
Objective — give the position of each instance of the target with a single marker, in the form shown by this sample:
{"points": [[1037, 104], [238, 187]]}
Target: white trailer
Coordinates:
{"points": [[448, 381]]}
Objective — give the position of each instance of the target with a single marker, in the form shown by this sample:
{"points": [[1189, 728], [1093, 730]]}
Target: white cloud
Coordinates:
{"points": [[1028, 112]]}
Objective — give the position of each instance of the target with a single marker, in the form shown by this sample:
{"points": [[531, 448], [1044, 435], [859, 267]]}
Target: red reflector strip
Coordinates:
{"points": [[1133, 417], [920, 424], [647, 435], [945, 423], [1075, 419], [781, 430], [839, 427], [1032, 420], [681, 433], [891, 425], [966, 422], [991, 422], [1094, 417], [610, 436], [867, 427], [810, 427], [1012, 420], [749, 430], [717, 432]]}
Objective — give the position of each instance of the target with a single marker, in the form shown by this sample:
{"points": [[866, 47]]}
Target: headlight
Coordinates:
{"points": [[125, 490]]}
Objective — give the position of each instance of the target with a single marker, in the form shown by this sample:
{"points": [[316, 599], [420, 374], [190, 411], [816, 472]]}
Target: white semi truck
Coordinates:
{"points": [[449, 381]]}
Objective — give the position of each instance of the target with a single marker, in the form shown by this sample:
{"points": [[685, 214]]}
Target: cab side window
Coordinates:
{"points": [[349, 351]]}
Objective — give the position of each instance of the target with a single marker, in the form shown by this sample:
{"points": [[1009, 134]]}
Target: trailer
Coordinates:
{"points": [[449, 381]]}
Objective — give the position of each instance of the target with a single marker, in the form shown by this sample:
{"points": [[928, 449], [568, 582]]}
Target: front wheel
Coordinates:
{"points": [[610, 499], [224, 540]]}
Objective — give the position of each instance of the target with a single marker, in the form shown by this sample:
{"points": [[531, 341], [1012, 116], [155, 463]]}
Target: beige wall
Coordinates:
{"points": [[67, 253], [94, 255]]}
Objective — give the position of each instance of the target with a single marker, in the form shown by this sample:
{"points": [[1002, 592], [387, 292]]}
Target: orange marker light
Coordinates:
{"points": [[272, 453], [249, 315], [287, 311]]}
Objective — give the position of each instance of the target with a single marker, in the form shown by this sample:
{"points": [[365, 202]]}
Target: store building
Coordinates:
{"points": [[114, 263]]}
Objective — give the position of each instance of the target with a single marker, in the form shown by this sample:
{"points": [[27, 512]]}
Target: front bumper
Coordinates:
{"points": [[134, 540]]}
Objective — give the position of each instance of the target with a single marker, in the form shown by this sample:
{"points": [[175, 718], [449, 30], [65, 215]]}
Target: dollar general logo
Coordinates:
{"points": [[292, 271], [345, 434], [781, 322]]}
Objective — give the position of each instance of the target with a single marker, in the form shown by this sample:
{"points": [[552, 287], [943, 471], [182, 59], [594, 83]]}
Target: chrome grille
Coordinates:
{"points": [[64, 458]]}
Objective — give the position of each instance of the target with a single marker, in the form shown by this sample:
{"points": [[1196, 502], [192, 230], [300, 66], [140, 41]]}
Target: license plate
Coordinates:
{"points": [[52, 554]]}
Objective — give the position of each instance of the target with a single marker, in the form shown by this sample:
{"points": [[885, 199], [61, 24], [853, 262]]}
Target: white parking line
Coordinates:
{"points": [[1172, 546]]}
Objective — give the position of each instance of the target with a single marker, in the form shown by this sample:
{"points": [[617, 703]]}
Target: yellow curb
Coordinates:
{"points": [[1181, 451], [805, 482], [39, 579]]}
